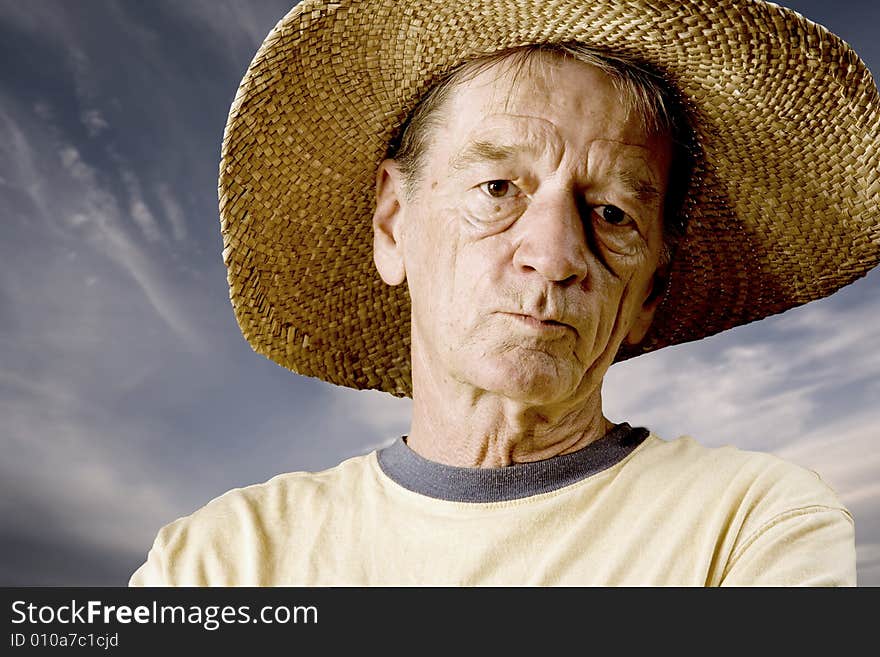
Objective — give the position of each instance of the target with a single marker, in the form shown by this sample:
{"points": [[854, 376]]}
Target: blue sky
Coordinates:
{"points": [[128, 397]]}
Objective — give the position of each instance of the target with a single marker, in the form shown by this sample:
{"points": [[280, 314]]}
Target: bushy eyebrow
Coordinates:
{"points": [[478, 152], [644, 190]]}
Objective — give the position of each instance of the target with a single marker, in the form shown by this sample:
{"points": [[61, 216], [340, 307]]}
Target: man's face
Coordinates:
{"points": [[532, 239]]}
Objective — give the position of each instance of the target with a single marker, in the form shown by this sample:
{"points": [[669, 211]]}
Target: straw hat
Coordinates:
{"points": [[784, 204]]}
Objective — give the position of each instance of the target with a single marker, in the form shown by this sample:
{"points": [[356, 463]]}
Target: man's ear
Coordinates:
{"points": [[388, 223], [639, 328]]}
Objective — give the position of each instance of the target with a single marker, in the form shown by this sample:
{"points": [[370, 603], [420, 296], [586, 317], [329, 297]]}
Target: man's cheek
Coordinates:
{"points": [[622, 263]]}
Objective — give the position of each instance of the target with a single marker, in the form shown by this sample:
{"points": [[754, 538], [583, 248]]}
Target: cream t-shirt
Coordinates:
{"points": [[628, 510]]}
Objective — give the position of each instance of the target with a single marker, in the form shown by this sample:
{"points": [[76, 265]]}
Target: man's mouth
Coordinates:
{"points": [[540, 324]]}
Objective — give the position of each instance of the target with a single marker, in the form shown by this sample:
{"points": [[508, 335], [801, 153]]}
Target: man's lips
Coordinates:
{"points": [[538, 323]]}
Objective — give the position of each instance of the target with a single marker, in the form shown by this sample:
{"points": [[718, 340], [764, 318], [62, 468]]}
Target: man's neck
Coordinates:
{"points": [[479, 429]]}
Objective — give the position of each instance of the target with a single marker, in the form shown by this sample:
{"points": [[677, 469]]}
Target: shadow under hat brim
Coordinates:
{"points": [[782, 207]]}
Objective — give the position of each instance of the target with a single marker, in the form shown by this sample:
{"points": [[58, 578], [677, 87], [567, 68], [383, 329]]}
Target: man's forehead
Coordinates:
{"points": [[499, 136], [532, 134], [549, 99], [510, 82], [591, 140]]}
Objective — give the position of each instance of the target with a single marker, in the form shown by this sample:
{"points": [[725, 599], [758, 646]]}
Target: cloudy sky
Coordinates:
{"points": [[128, 397]]}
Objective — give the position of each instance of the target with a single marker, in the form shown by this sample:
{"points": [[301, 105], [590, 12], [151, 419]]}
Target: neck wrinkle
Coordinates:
{"points": [[466, 428]]}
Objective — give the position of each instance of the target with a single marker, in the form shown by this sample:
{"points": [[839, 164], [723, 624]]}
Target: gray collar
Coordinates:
{"points": [[447, 482]]}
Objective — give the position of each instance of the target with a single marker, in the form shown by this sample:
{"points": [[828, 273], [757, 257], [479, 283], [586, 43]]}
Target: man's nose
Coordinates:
{"points": [[553, 241]]}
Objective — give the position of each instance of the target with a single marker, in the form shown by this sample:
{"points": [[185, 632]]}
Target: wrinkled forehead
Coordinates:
{"points": [[499, 81], [543, 104], [516, 83], [545, 87]]}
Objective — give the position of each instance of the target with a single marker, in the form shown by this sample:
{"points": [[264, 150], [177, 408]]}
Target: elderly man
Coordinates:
{"points": [[559, 185]]}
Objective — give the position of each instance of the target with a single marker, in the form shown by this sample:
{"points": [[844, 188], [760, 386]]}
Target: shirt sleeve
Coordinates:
{"points": [[808, 546]]}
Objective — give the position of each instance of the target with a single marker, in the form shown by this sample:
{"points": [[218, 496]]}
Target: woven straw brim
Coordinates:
{"points": [[783, 204]]}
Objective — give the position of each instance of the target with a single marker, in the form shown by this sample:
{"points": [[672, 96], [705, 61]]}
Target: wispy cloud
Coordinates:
{"points": [[95, 212], [25, 174], [381, 418], [173, 212], [845, 454], [101, 322], [386, 414], [138, 209], [761, 386], [94, 122], [737, 395]]}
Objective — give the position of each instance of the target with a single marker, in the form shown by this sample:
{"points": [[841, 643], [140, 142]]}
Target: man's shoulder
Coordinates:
{"points": [[302, 482], [255, 518], [276, 493], [763, 519], [744, 476]]}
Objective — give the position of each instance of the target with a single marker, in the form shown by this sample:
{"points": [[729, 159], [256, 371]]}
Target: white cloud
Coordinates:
{"points": [[379, 416], [78, 169], [845, 454], [95, 212], [738, 395], [16, 148], [94, 122], [173, 212], [762, 386], [138, 209], [75, 204]]}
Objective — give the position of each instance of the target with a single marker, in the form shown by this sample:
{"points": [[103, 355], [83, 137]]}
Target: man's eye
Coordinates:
{"points": [[499, 188], [612, 215]]}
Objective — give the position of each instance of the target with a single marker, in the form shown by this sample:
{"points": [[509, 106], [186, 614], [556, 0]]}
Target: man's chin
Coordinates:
{"points": [[532, 386]]}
